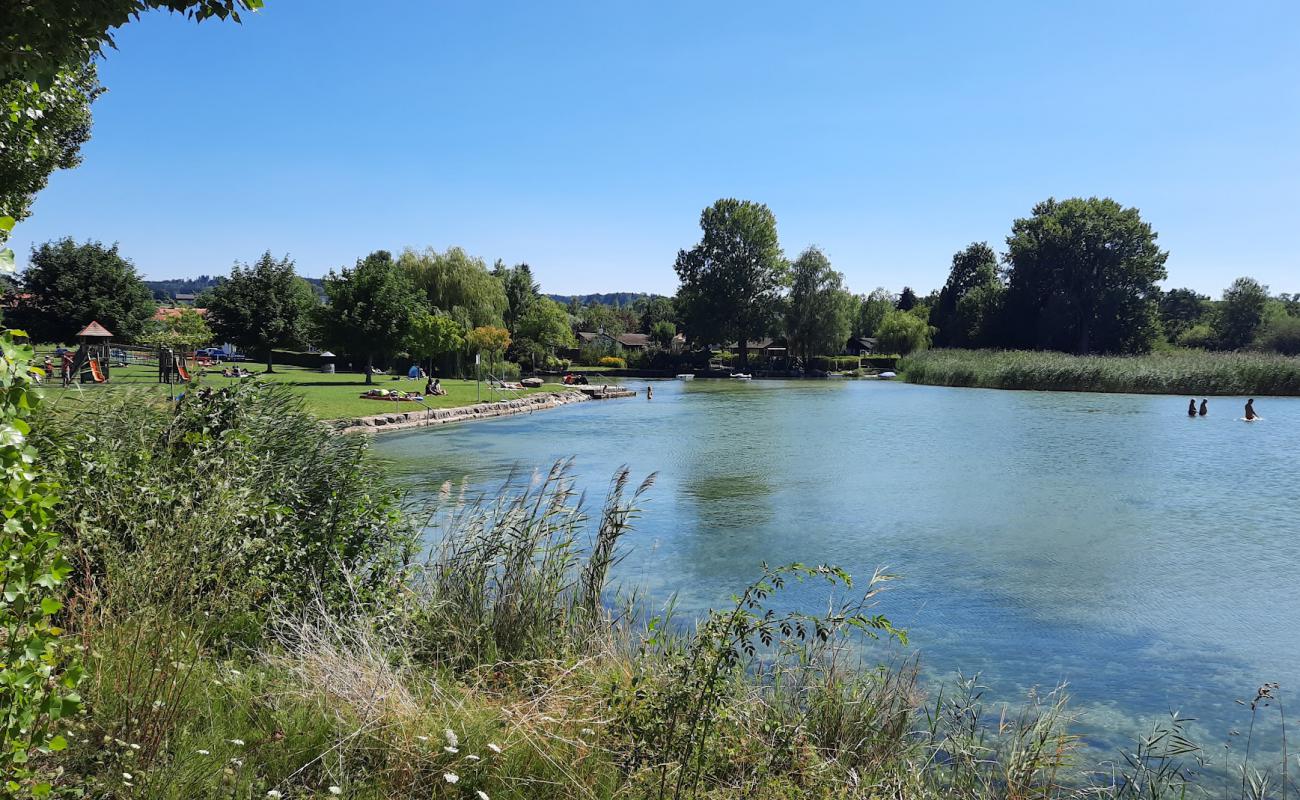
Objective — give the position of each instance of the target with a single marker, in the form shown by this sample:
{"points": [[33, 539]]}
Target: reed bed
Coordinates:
{"points": [[1191, 372]]}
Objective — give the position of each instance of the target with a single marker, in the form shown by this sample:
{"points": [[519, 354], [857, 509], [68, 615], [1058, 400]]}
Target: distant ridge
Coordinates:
{"points": [[603, 299], [165, 291]]}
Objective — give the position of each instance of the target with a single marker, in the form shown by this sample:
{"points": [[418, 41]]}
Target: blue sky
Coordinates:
{"points": [[585, 137]]}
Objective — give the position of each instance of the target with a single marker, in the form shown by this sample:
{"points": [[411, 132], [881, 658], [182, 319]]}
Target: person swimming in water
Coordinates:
{"points": [[1250, 410], [1191, 407], [1205, 407]]}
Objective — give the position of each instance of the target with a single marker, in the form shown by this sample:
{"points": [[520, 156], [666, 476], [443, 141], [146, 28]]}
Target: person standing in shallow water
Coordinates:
{"points": [[1250, 409], [1205, 407], [1191, 407]]}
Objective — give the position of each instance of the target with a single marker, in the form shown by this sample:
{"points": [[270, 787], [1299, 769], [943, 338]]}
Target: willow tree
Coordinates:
{"points": [[819, 312]]}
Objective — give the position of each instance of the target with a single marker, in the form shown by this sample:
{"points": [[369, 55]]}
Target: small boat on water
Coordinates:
{"points": [[742, 376], [686, 376], [884, 376]]}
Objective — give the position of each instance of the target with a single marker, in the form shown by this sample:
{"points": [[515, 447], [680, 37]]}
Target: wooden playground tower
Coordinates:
{"points": [[92, 356]]}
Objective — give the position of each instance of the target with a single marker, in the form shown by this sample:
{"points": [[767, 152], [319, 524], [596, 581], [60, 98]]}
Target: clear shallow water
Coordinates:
{"points": [[1148, 559]]}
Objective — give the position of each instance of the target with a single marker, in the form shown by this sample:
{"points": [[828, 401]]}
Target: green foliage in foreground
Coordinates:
{"points": [[36, 684], [246, 641], [1191, 372]]}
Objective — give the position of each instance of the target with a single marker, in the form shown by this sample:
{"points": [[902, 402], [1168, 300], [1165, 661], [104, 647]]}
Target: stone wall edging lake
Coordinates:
{"points": [[406, 420]]}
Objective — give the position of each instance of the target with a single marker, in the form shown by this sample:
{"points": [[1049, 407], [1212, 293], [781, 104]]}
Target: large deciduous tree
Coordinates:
{"points": [[41, 37], [819, 312], [871, 310], [1082, 278], [1240, 313], [372, 308], [458, 285], [71, 284], [731, 282], [546, 326], [262, 306], [32, 147], [974, 270]]}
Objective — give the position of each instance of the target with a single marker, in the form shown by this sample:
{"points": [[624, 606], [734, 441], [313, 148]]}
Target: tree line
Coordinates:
{"points": [[1079, 275], [428, 305]]}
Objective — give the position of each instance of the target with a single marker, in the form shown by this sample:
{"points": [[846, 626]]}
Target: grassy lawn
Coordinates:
{"points": [[328, 396]]}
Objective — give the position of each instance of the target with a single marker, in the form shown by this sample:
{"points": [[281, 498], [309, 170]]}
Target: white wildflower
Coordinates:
{"points": [[126, 776], [450, 736], [204, 752], [450, 777], [274, 793], [135, 747], [496, 748], [451, 749], [587, 732], [423, 738], [336, 790], [482, 795], [236, 742], [472, 757]]}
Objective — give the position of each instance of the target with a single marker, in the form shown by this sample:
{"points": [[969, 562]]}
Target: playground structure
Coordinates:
{"points": [[91, 361], [172, 367]]}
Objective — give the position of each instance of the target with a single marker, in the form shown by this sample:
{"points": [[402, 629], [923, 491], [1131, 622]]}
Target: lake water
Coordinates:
{"points": [[1107, 541]]}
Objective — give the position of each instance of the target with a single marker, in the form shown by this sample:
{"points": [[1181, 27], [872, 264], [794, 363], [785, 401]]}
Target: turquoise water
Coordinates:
{"points": [[1107, 541]]}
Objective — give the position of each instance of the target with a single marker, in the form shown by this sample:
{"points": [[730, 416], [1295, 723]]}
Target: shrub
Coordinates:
{"points": [[37, 682], [233, 503], [611, 362], [1280, 335]]}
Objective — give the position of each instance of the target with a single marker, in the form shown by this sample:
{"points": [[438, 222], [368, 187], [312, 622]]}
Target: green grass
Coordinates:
{"points": [[1185, 372], [334, 396]]}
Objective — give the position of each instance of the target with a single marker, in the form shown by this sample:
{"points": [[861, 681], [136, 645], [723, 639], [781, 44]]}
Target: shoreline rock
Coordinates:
{"points": [[423, 418]]}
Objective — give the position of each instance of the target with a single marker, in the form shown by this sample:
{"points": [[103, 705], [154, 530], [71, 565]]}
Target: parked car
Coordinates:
{"points": [[218, 354]]}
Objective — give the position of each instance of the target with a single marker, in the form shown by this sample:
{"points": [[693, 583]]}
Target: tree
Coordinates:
{"points": [[1179, 310], [973, 268], [48, 81], [520, 289], [457, 284], [662, 333], [1280, 334], [1083, 277], [262, 306], [41, 37], [819, 311], [654, 310], [546, 325], [871, 312], [433, 336], [31, 148], [599, 318], [906, 300], [901, 332], [72, 284], [184, 330], [1241, 313], [372, 308], [488, 339], [731, 281]]}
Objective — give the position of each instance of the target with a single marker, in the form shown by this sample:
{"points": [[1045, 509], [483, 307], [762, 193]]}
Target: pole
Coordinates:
{"points": [[478, 377]]}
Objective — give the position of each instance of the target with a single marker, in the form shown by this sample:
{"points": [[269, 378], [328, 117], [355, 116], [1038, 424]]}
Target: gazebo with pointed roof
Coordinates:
{"points": [[94, 331]]}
